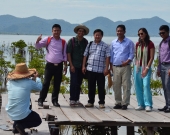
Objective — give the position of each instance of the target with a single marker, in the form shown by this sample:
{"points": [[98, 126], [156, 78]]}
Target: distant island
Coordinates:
{"points": [[35, 25]]}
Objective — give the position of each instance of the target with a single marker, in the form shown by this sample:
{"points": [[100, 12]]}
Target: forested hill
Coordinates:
{"points": [[35, 25]]}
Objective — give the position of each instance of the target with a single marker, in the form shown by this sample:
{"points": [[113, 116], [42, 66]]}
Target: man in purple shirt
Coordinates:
{"points": [[55, 56], [164, 65]]}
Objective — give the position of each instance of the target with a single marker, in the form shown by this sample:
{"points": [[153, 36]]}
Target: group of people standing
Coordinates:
{"points": [[97, 59], [92, 60]]}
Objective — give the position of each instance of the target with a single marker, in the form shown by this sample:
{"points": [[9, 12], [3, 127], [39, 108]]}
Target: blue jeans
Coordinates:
{"points": [[166, 83], [142, 87], [75, 84]]}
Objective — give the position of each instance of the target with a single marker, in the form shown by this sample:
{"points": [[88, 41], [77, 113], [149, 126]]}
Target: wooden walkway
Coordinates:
{"points": [[66, 115]]}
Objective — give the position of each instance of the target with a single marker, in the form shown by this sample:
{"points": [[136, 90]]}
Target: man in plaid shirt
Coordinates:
{"points": [[98, 54]]}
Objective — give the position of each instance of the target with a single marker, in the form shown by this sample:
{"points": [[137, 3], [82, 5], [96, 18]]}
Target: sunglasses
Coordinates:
{"points": [[140, 34], [161, 33]]}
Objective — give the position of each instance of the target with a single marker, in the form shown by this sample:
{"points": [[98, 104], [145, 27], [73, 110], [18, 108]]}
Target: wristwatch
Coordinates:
{"points": [[147, 67]]}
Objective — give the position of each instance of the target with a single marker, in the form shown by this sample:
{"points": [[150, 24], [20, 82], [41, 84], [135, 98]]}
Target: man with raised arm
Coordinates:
{"points": [[55, 57]]}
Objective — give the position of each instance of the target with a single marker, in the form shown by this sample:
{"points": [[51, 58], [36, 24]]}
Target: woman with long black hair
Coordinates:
{"points": [[145, 51]]}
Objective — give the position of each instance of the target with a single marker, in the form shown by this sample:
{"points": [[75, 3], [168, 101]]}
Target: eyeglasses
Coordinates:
{"points": [[140, 34], [161, 33]]}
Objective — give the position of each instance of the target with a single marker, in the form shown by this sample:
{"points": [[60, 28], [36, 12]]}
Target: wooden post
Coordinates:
{"points": [[130, 130], [150, 131], [114, 130]]}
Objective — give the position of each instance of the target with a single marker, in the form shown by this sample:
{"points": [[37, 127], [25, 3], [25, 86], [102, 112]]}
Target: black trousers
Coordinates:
{"points": [[32, 120], [94, 77], [75, 84], [50, 71]]}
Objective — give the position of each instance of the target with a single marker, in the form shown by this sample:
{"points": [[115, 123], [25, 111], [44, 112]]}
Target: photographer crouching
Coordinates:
{"points": [[20, 83]]}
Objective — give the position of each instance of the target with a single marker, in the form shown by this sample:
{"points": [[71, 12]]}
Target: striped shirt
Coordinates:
{"points": [[97, 56]]}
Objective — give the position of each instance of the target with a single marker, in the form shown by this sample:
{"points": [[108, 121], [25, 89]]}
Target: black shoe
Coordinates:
{"points": [[163, 109], [20, 129], [40, 103], [167, 110], [14, 131], [56, 104], [124, 107], [117, 106]]}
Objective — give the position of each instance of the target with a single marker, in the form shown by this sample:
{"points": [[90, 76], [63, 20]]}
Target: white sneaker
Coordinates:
{"points": [[148, 109], [101, 106], [139, 108], [89, 105], [78, 103], [72, 103]]}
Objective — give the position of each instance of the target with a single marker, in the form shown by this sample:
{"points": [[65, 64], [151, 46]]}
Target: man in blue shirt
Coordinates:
{"points": [[19, 86], [122, 53]]}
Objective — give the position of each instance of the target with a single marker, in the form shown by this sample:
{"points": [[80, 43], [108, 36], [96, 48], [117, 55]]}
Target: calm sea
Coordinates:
{"points": [[8, 39]]}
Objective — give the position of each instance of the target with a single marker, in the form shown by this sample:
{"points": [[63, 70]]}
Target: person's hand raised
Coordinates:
{"points": [[39, 38]]}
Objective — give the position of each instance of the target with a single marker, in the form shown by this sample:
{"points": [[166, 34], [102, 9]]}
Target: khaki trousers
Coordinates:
{"points": [[122, 78]]}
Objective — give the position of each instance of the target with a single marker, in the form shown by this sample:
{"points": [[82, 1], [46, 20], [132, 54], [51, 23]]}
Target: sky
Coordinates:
{"points": [[79, 11]]}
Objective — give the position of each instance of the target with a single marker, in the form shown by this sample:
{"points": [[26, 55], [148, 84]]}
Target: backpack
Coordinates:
{"points": [[49, 40], [73, 44], [73, 41]]}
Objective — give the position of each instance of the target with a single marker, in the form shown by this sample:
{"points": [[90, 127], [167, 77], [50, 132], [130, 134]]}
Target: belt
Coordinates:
{"points": [[55, 64], [120, 65], [165, 63]]}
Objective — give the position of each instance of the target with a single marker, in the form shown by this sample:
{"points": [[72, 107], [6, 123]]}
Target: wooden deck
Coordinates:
{"points": [[67, 115]]}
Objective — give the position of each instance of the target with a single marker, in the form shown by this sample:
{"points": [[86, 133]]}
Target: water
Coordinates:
{"points": [[8, 39]]}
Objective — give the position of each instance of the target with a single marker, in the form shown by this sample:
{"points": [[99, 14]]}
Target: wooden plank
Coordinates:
{"points": [[61, 117], [143, 114], [5, 120], [125, 113], [5, 132], [158, 100], [156, 114], [68, 111], [34, 105], [161, 98], [97, 113], [86, 115], [157, 104], [41, 129], [41, 109], [110, 112], [4, 100]]}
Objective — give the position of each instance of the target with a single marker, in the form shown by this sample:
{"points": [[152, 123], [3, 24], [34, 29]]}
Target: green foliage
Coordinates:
{"points": [[84, 86], [36, 60], [4, 66], [18, 58], [91, 130], [156, 86], [19, 44]]}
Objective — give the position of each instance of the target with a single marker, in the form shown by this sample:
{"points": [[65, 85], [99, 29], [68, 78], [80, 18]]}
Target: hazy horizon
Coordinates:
{"points": [[79, 11]]}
